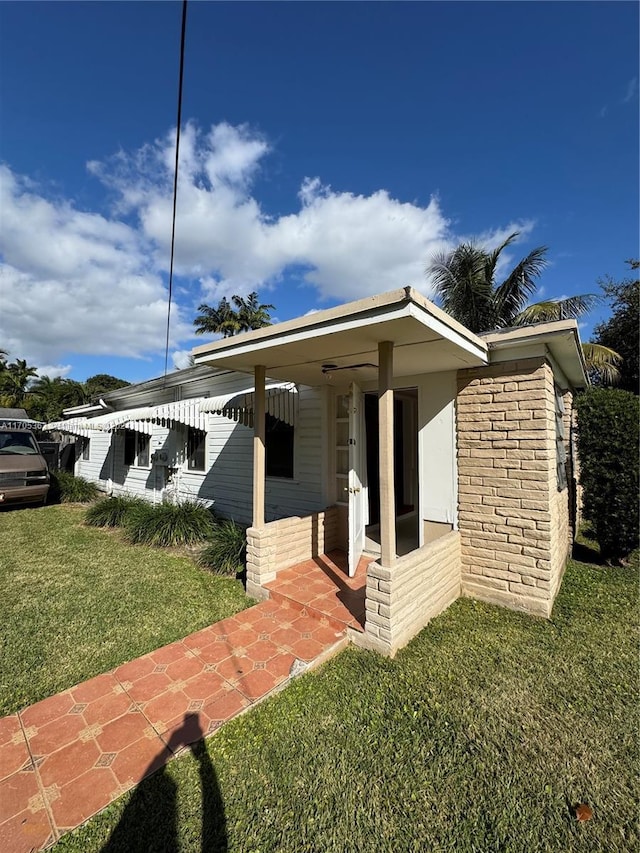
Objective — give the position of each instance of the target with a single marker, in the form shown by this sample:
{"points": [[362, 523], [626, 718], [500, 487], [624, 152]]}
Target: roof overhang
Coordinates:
{"points": [[560, 340], [426, 340]]}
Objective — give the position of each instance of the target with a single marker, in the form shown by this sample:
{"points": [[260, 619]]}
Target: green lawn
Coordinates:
{"points": [[76, 601], [480, 736]]}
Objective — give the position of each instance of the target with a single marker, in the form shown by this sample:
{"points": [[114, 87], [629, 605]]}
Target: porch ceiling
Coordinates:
{"points": [[425, 339]]}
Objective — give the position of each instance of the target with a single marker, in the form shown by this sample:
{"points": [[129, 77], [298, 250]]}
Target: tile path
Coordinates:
{"points": [[67, 757]]}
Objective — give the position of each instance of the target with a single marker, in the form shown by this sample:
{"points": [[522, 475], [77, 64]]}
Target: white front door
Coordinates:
{"points": [[357, 478]]}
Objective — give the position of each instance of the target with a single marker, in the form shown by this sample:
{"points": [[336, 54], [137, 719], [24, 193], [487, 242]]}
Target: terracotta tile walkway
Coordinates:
{"points": [[67, 757], [321, 587]]}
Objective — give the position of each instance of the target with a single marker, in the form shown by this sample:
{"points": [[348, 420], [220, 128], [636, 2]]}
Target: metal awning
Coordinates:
{"points": [[188, 412], [74, 426], [280, 402], [139, 420]]}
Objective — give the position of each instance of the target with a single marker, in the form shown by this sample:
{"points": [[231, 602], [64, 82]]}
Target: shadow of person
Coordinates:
{"points": [[149, 820]]}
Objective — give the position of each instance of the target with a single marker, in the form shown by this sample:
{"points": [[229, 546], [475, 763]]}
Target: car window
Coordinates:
{"points": [[17, 443]]}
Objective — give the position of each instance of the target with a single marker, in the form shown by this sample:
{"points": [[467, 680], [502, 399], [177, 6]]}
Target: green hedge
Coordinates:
{"points": [[608, 435]]}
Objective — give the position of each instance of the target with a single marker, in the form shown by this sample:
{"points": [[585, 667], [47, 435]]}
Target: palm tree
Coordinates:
{"points": [[15, 379], [47, 398], [222, 320], [225, 321], [251, 313], [465, 284]]}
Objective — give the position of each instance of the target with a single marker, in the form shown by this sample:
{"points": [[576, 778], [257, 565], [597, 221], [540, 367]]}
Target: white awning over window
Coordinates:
{"points": [[77, 426], [281, 402], [188, 412]]}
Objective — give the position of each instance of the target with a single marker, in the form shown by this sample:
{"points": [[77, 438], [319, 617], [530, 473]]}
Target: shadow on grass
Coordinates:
{"points": [[585, 554], [149, 821]]}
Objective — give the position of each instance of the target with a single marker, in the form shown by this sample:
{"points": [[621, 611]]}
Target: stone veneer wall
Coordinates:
{"points": [[513, 521], [400, 600], [286, 542]]}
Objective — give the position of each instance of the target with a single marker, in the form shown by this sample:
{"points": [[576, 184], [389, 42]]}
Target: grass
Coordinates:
{"points": [[480, 736], [76, 601]]}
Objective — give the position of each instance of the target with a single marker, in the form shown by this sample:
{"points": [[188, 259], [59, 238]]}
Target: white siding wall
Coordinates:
{"points": [[436, 447], [227, 481], [96, 468]]}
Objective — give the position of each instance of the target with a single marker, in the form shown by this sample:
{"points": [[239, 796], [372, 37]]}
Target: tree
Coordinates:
{"points": [[14, 380], [226, 321], [251, 313], [465, 285], [47, 398], [102, 383], [622, 330], [608, 451]]}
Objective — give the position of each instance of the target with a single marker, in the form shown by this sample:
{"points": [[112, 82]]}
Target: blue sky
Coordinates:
{"points": [[329, 150]]}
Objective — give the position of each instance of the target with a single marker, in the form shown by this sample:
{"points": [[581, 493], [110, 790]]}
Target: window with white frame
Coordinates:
{"points": [[196, 449], [561, 453], [86, 452], [136, 449]]}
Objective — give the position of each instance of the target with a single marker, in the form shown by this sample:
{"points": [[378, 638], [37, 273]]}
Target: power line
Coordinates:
{"points": [[175, 179]]}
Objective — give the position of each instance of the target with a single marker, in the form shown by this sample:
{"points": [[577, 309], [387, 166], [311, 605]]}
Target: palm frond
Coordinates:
{"points": [[514, 292], [603, 361], [494, 256], [557, 309], [461, 286]]}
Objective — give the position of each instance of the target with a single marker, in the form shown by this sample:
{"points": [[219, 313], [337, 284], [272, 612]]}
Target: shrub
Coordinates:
{"points": [[608, 452], [226, 553], [112, 512], [186, 523], [65, 488]]}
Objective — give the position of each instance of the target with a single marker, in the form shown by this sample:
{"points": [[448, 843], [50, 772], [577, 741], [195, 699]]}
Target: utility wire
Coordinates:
{"points": [[175, 180]]}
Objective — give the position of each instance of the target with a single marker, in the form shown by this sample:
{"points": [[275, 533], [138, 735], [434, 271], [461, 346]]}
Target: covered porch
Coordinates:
{"points": [[376, 345]]}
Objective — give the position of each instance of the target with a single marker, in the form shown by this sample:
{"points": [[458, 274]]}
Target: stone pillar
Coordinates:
{"points": [[259, 447], [387, 484]]}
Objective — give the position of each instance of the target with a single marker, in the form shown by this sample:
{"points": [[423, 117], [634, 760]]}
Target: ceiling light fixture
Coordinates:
{"points": [[331, 368]]}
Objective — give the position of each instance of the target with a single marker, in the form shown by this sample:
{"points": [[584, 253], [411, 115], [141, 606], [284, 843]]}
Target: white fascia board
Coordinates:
{"points": [[293, 337], [331, 326], [480, 350]]}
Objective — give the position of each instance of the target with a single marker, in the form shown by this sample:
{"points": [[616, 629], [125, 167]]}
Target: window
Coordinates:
{"points": [[196, 443], [86, 442], [561, 453], [136, 449], [279, 448]]}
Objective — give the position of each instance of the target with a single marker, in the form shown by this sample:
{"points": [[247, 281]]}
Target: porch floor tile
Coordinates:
{"points": [[69, 756], [322, 589]]}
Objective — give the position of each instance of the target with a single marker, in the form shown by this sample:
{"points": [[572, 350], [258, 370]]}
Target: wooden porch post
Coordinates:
{"points": [[258, 447], [387, 485]]}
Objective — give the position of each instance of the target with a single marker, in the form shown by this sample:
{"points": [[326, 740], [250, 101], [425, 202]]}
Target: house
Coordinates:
{"points": [[381, 425]]}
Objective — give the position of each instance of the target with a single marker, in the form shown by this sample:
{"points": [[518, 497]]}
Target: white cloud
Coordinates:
{"points": [[72, 281], [631, 90], [181, 358], [92, 283], [54, 371]]}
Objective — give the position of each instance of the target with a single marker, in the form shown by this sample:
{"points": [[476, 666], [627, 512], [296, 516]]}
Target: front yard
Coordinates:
{"points": [[481, 735], [76, 601]]}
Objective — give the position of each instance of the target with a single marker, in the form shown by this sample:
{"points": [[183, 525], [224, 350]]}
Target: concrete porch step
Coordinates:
{"points": [[339, 624]]}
